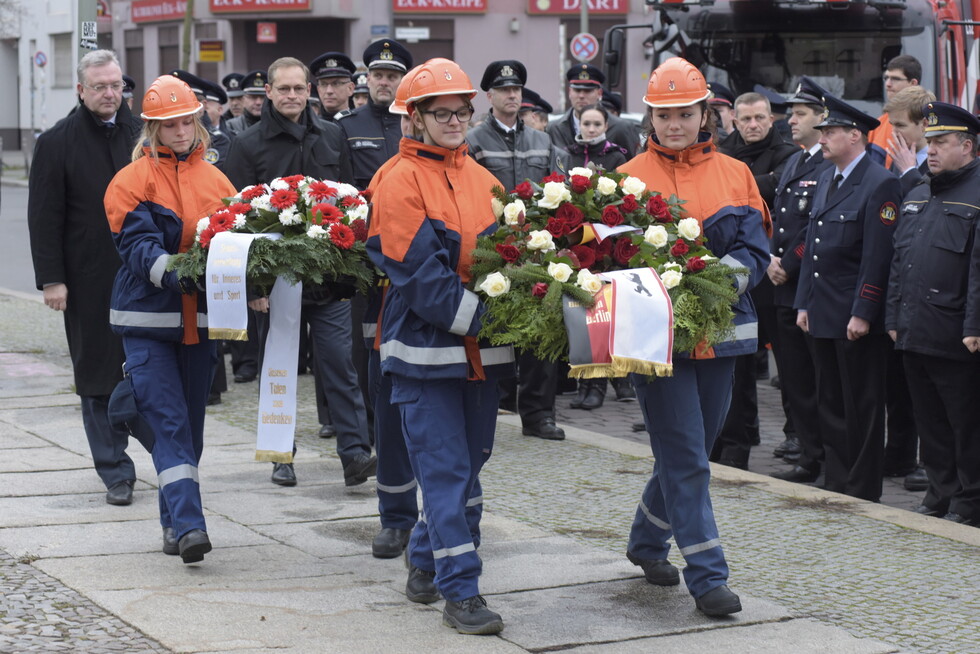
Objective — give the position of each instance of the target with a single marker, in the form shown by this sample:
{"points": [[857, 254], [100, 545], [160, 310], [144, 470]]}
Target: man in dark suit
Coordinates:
{"points": [[584, 89], [792, 347], [75, 260], [841, 298]]}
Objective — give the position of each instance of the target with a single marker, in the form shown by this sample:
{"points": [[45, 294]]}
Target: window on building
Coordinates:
{"points": [[169, 38], [63, 70]]}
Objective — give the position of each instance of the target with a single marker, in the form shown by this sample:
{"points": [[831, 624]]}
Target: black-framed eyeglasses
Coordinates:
{"points": [[102, 88], [443, 116]]}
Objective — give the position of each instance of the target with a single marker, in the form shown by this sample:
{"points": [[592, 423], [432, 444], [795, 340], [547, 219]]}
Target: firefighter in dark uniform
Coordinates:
{"points": [[233, 89], [253, 90], [790, 215], [534, 109], [515, 153], [373, 133], [841, 299], [217, 153], [129, 85], [585, 88], [934, 312], [333, 71], [361, 91]]}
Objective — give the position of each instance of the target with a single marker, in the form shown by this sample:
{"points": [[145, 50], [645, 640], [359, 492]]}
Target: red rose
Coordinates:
{"points": [[539, 290], [359, 227], [283, 199], [325, 213], [585, 255], [629, 203], [351, 201], [294, 180], [509, 253], [603, 248], [342, 236], [657, 207], [695, 264], [240, 207], [254, 192], [205, 237], [611, 217], [571, 215], [524, 190], [321, 191], [553, 177], [680, 248], [580, 184], [557, 227], [624, 250]]}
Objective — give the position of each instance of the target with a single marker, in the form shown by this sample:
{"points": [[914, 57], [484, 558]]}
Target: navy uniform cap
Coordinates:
{"points": [[332, 64], [777, 102], [612, 100], [585, 76], [720, 94], [838, 113], [214, 92], [531, 100], [196, 83], [508, 72], [807, 92], [387, 53], [233, 84], [360, 82], [943, 118], [129, 85], [254, 82]]}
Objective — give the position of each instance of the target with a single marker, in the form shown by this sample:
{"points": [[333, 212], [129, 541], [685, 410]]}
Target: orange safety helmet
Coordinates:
{"points": [[676, 83], [169, 97], [401, 93], [438, 77]]}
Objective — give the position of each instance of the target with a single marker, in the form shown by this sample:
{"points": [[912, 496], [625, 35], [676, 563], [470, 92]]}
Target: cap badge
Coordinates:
{"points": [[362, 79], [507, 71], [173, 97], [386, 54], [671, 86], [933, 119], [330, 63], [584, 75], [233, 84]]}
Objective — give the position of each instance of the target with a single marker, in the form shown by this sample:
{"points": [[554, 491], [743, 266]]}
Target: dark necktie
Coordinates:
{"points": [[108, 129], [834, 185]]}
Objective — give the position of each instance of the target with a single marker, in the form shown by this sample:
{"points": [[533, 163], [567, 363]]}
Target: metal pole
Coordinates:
{"points": [[185, 55], [562, 65], [584, 16], [87, 12]]}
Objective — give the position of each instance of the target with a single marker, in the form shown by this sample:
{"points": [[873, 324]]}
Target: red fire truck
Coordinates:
{"points": [[842, 44]]}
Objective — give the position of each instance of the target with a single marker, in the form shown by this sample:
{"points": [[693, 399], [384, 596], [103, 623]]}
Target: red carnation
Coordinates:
{"points": [[629, 203], [255, 192], [524, 190], [342, 236], [539, 290], [558, 228], [657, 207], [624, 250], [695, 264], [571, 215], [205, 237], [327, 214], [585, 255], [680, 248], [283, 199], [294, 180], [580, 184], [321, 191], [611, 216], [553, 177], [240, 207], [509, 253], [359, 228], [351, 201]]}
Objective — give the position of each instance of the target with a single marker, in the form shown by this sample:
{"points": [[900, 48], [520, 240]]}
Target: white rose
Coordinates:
{"points": [[498, 207], [588, 281], [289, 216], [606, 186], [672, 266], [262, 202], [634, 186], [584, 172], [202, 224], [560, 271], [495, 284], [553, 194], [316, 231], [689, 228], [513, 211], [540, 240], [239, 220], [671, 278], [278, 184], [656, 235]]}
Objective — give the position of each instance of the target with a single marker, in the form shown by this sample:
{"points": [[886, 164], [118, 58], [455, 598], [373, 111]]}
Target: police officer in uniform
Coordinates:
{"points": [[585, 88], [841, 299], [217, 152], [253, 97], [934, 312], [333, 71], [791, 213], [514, 153], [129, 85], [534, 109], [361, 91], [233, 89]]}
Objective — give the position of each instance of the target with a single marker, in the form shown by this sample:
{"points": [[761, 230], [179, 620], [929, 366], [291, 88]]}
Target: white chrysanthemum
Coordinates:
{"points": [[584, 172], [634, 186], [540, 240], [278, 184], [202, 224], [316, 231], [588, 281], [513, 211], [239, 220], [359, 211], [656, 235], [495, 284], [671, 278], [606, 186], [263, 202], [560, 271], [553, 194], [689, 228], [289, 217], [343, 190]]}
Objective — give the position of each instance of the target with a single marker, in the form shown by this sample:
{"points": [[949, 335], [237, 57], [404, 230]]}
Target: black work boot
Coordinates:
{"points": [[718, 601], [193, 545], [421, 586], [471, 616], [659, 572], [390, 542]]}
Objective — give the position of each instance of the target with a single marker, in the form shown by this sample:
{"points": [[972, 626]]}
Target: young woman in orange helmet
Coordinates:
{"points": [[153, 206], [428, 211], [684, 413]]}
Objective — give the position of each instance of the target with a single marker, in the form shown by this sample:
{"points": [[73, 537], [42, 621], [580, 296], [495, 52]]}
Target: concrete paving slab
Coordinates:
{"points": [[12, 437], [217, 432], [57, 482], [797, 636], [274, 505], [59, 425], [63, 398], [325, 538], [497, 529], [111, 538], [255, 475], [612, 611], [75, 508], [43, 459], [23, 374]]}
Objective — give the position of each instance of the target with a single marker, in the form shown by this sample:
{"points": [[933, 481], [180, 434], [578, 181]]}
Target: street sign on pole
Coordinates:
{"points": [[584, 47]]}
